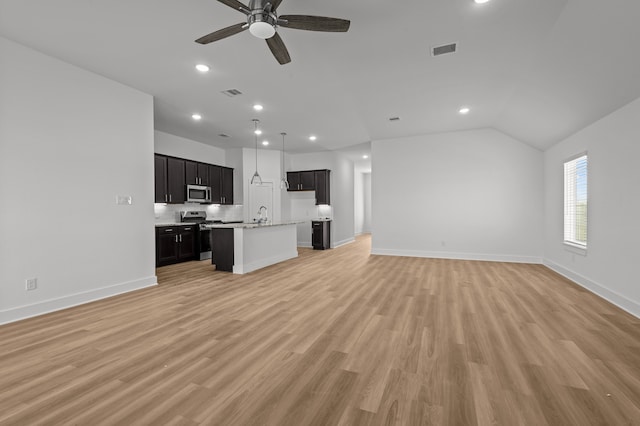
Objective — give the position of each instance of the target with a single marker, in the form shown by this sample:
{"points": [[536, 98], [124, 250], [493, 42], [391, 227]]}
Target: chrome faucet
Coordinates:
{"points": [[261, 218]]}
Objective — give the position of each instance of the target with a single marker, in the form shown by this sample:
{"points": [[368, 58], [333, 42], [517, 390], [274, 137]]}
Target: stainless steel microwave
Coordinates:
{"points": [[198, 194]]}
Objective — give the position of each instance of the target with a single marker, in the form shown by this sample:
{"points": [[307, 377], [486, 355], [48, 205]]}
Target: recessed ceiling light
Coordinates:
{"points": [[196, 117], [464, 110], [312, 138], [481, 1], [257, 132], [365, 156], [265, 143], [202, 68], [258, 107]]}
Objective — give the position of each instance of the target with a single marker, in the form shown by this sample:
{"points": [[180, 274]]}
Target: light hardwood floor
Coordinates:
{"points": [[333, 337]]}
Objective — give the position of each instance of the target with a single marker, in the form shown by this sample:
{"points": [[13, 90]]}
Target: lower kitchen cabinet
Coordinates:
{"points": [[321, 234], [222, 249], [175, 244]]}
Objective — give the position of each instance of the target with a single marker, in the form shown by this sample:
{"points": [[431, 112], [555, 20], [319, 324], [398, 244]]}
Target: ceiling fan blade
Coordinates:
{"points": [[223, 33], [275, 4], [234, 4], [279, 50], [314, 23]]}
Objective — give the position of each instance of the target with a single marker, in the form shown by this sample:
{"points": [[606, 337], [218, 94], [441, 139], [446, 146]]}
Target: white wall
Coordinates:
{"points": [[472, 195], [70, 142], [366, 188], [176, 146], [270, 171], [362, 202], [609, 267], [342, 197]]}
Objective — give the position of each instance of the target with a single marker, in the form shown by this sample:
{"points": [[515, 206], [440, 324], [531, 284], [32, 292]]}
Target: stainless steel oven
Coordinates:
{"points": [[203, 241]]}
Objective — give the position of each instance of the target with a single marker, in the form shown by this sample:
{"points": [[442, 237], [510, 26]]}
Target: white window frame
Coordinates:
{"points": [[574, 215]]}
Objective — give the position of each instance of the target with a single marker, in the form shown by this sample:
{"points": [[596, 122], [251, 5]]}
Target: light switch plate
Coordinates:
{"points": [[123, 200], [31, 284]]}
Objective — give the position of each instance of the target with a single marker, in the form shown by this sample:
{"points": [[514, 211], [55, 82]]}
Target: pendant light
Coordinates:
{"points": [[256, 179], [284, 184]]}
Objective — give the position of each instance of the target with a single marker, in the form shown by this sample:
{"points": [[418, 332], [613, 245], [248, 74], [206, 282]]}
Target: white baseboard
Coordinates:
{"points": [[458, 256], [64, 302], [343, 242], [598, 289]]}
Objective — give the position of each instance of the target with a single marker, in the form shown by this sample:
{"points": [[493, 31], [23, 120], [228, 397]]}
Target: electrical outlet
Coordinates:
{"points": [[31, 284]]}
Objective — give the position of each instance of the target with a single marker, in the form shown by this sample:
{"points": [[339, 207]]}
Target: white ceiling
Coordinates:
{"points": [[536, 70]]}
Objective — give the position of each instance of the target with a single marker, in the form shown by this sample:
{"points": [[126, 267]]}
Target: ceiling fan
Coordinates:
{"points": [[263, 21]]}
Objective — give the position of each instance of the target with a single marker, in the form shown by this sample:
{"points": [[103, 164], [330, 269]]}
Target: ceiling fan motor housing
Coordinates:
{"points": [[262, 21]]}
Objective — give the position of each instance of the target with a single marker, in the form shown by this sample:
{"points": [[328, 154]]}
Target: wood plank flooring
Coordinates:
{"points": [[333, 337]]}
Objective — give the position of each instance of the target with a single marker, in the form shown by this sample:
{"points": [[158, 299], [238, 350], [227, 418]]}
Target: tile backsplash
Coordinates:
{"points": [[170, 213]]}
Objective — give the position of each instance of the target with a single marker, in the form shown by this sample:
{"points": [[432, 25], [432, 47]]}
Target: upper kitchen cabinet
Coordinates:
{"points": [[323, 190], [196, 173], [221, 182], [169, 179], [311, 180], [160, 167], [301, 181]]}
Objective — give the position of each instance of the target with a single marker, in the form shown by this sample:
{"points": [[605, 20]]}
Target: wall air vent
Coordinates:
{"points": [[444, 49], [231, 92]]}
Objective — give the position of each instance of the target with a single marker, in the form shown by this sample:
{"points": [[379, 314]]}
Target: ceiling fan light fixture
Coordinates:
{"points": [[261, 29]]}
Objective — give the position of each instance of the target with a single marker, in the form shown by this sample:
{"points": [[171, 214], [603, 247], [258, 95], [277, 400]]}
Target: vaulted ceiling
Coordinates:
{"points": [[536, 70]]}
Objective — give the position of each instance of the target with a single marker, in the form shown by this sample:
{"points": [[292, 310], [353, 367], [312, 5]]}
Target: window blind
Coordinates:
{"points": [[575, 201]]}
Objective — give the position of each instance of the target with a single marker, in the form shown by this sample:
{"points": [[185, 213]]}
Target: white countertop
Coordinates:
{"points": [[250, 225]]}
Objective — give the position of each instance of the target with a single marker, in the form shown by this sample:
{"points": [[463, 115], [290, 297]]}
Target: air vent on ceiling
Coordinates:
{"points": [[394, 118], [231, 92], [444, 49], [223, 135]]}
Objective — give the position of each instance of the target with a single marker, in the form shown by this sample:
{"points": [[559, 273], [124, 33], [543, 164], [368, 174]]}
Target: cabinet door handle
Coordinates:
{"points": [[169, 197], [180, 237], [165, 198], [176, 238], [168, 230]]}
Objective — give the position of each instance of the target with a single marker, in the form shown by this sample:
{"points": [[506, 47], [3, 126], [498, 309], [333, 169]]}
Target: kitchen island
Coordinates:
{"points": [[245, 247]]}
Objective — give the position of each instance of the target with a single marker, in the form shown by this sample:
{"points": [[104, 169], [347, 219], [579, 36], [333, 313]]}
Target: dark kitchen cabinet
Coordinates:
{"points": [[301, 181], [321, 235], [221, 182], [175, 244], [169, 179], [323, 190], [160, 167], [227, 185], [311, 180], [222, 249], [172, 175], [196, 173]]}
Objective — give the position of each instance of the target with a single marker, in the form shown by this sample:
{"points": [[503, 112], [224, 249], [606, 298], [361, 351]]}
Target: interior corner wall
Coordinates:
{"points": [[610, 266], [70, 143], [176, 146], [462, 195]]}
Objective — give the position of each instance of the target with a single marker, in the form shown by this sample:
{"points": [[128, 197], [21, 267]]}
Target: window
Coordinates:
{"points": [[575, 201]]}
